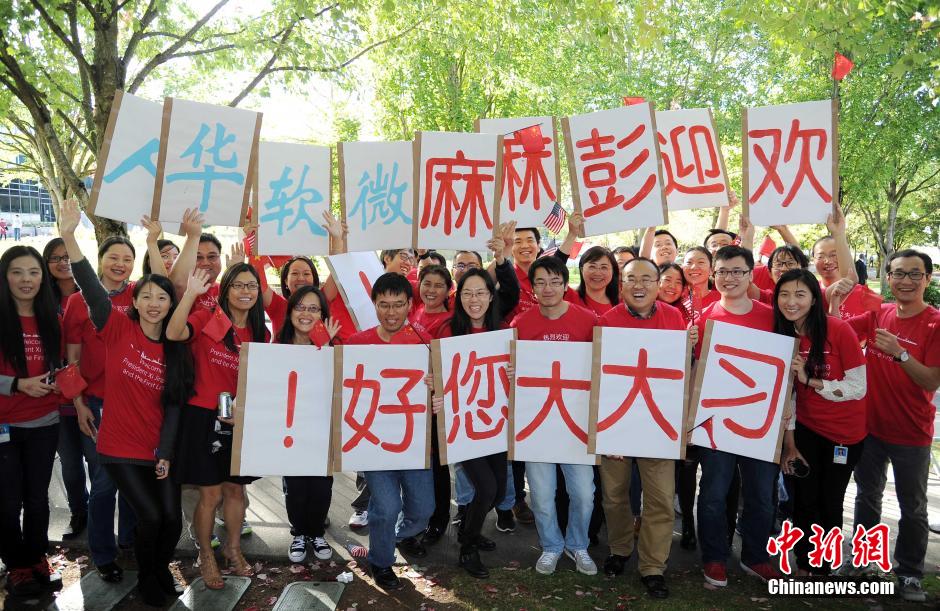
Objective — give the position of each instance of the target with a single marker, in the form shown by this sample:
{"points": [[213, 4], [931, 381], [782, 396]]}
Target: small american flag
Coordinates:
{"points": [[551, 250], [357, 551], [556, 218]]}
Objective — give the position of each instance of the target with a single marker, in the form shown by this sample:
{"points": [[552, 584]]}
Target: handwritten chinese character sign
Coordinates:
{"points": [[640, 386], [207, 155], [127, 162], [791, 162], [613, 159], [282, 423], [381, 419], [458, 189], [354, 274], [470, 373], [530, 175], [293, 191], [551, 402], [741, 390], [692, 165], [377, 194]]}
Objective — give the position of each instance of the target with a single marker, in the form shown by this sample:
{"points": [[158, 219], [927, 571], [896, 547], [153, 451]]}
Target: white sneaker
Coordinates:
{"points": [[547, 563], [582, 561], [298, 549], [321, 549], [360, 519]]}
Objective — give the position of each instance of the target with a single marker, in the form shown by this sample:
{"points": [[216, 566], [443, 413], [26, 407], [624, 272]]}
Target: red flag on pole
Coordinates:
{"points": [[628, 101], [218, 325], [767, 246], [841, 66], [531, 138]]}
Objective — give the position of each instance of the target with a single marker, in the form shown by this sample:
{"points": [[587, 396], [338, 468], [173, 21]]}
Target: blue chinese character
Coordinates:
{"points": [[383, 195], [279, 208], [143, 157], [208, 174]]}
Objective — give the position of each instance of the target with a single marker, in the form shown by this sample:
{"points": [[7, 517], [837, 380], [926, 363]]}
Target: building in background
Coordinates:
{"points": [[28, 198]]}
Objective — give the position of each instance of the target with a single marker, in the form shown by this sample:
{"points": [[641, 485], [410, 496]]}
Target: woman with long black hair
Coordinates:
{"points": [[150, 378], [830, 407], [205, 440], [599, 289], [297, 272], [672, 288], [30, 348], [307, 498]]}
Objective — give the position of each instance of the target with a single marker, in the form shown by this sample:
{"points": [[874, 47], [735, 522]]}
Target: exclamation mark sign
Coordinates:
{"points": [[291, 400]]}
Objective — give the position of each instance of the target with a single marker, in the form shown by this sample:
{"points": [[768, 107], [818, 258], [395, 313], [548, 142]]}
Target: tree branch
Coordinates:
{"points": [[75, 129], [71, 45], [149, 15]]}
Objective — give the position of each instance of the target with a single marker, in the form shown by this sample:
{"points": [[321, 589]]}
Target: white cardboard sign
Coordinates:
{"points": [[354, 274], [692, 164]]}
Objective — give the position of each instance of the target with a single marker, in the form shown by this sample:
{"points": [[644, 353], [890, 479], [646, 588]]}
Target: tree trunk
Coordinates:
{"points": [[887, 248]]}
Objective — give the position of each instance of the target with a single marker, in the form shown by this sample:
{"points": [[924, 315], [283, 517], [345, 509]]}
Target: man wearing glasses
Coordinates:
{"points": [[903, 369]]}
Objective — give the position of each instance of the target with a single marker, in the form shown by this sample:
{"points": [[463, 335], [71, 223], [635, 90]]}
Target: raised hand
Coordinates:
{"points": [[835, 222], [153, 227], [198, 284], [333, 225], [69, 216], [732, 198], [576, 224], [191, 225], [236, 255], [332, 327]]}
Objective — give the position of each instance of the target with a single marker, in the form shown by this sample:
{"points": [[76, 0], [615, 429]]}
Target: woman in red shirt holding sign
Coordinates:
{"points": [[830, 408], [30, 348], [205, 440]]}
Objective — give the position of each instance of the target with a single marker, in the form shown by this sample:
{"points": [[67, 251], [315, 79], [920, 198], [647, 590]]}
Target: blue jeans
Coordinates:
{"points": [[465, 489], [400, 505], [758, 479], [101, 502], [72, 460], [579, 482]]}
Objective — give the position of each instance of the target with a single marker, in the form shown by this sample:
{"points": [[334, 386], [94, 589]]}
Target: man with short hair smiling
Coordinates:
{"points": [[659, 245], [903, 368], [732, 271], [406, 490]]}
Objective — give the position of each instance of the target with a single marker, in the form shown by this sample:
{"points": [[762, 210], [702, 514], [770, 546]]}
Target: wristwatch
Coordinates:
{"points": [[902, 357]]}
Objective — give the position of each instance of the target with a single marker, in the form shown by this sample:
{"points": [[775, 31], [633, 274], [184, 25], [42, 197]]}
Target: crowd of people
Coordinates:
{"points": [[159, 351]]}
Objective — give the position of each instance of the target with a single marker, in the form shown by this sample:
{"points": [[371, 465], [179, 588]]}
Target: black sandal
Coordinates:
{"points": [[110, 572]]}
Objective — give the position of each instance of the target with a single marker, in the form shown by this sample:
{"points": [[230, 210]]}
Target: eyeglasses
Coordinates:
{"points": [[541, 284], [479, 295], [209, 258], [785, 265], [245, 286], [311, 308], [54, 260], [463, 266], [915, 275], [386, 307], [630, 281], [731, 273]]}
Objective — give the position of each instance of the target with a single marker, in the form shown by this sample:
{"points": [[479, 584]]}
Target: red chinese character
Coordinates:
{"points": [[474, 365], [779, 365], [871, 546], [641, 374], [826, 548], [474, 202], [556, 387], [534, 179], [600, 175], [804, 169], [676, 169], [362, 429], [789, 537]]}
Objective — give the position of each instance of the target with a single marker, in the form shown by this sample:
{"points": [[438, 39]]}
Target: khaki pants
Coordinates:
{"points": [[658, 476]]}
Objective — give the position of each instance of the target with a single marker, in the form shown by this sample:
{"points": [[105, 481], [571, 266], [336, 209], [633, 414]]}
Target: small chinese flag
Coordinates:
{"points": [[407, 335], [576, 250], [319, 335], [218, 325], [531, 137], [70, 381], [841, 66], [248, 242], [870, 300], [767, 246], [628, 101], [277, 261]]}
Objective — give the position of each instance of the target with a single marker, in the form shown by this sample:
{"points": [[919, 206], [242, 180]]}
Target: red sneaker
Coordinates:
{"points": [[22, 583], [45, 575], [715, 574], [763, 571]]}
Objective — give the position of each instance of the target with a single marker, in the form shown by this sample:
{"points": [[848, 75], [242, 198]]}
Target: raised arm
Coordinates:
{"points": [[154, 229], [724, 213], [837, 228], [185, 263], [96, 297], [176, 329], [575, 229], [787, 235], [498, 246], [646, 244]]}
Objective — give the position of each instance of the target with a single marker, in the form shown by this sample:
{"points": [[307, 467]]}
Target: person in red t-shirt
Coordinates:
{"points": [[599, 290], [30, 348], [640, 309], [297, 272], [830, 407], [903, 358], [732, 271], [696, 266], [215, 338], [434, 284], [672, 289], [831, 253], [151, 378], [781, 260]]}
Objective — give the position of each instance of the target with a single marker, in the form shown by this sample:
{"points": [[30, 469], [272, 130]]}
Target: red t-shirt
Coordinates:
{"points": [[761, 317], [277, 312], [216, 367], [852, 304], [899, 411], [527, 298], [208, 300], [762, 278], [371, 337], [20, 407], [575, 325], [430, 324], [572, 296], [340, 313], [665, 317], [842, 421], [444, 330], [130, 426], [79, 330], [695, 305]]}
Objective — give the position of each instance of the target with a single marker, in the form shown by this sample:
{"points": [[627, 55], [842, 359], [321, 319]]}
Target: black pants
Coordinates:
{"points": [[307, 499], [361, 502], [441, 516], [518, 480], [818, 498], [488, 476], [562, 500], [25, 470], [156, 502], [686, 485]]}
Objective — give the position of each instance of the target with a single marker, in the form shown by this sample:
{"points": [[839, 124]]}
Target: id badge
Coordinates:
{"points": [[4, 433], [840, 455]]}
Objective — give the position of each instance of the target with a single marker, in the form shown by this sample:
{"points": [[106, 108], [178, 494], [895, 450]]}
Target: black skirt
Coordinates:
{"points": [[204, 450]]}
